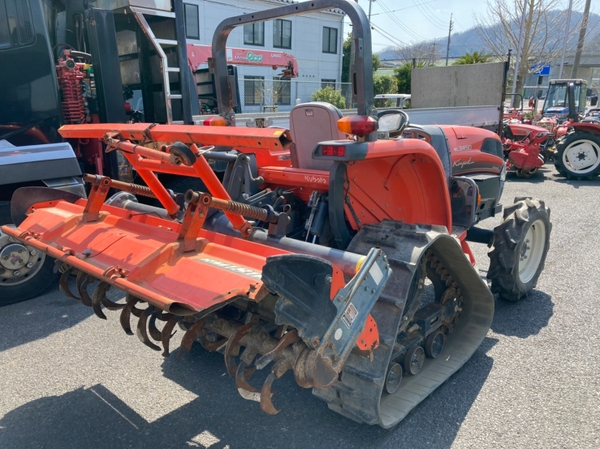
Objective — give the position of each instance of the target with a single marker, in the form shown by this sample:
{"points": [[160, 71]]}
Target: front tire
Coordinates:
{"points": [[578, 156], [519, 249]]}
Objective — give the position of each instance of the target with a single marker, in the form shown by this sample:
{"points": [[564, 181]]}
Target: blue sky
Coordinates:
{"points": [[411, 21]]}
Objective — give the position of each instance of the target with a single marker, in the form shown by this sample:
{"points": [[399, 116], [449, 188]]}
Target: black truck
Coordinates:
{"points": [[79, 61]]}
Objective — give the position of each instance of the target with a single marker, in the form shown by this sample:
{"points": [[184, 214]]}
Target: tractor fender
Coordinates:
{"points": [[402, 180], [586, 127]]}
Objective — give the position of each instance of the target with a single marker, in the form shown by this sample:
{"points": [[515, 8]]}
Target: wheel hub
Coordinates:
{"points": [[582, 156], [17, 261], [532, 249]]}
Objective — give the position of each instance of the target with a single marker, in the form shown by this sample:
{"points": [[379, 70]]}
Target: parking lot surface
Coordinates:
{"points": [[71, 380]]}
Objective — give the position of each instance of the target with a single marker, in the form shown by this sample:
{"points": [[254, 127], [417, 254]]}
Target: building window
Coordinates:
{"points": [[330, 40], [282, 91], [192, 21], [327, 83], [254, 86], [282, 33], [254, 34], [16, 26]]}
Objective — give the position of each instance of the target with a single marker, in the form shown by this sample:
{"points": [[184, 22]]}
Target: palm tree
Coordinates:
{"points": [[473, 58]]}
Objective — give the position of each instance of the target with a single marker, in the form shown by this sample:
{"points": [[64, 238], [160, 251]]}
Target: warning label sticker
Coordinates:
{"points": [[349, 315]]}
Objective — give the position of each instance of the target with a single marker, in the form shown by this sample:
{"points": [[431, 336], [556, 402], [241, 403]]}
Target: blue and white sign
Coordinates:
{"points": [[541, 69]]}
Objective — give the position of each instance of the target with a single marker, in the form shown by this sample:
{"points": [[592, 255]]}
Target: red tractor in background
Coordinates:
{"points": [[337, 250], [578, 149]]}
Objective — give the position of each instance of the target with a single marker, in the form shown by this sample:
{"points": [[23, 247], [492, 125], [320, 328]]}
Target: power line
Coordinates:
{"points": [[398, 22], [400, 9], [429, 15]]}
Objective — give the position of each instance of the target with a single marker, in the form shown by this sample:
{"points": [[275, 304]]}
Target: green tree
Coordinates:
{"points": [[402, 75], [347, 47], [330, 95], [385, 84], [473, 58]]}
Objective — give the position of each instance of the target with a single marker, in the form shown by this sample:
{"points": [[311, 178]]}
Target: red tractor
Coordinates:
{"points": [[337, 250], [578, 150]]}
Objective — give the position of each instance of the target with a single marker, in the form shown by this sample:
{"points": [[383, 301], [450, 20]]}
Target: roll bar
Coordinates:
{"points": [[361, 70]]}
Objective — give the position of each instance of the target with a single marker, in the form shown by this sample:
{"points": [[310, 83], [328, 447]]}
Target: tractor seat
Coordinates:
{"points": [[437, 139], [310, 124]]}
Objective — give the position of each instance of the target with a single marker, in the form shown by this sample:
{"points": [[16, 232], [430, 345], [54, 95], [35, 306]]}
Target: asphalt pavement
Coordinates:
{"points": [[71, 380]]}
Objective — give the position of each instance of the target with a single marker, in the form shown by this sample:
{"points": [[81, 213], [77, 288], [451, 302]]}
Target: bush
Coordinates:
{"points": [[385, 84], [330, 95]]}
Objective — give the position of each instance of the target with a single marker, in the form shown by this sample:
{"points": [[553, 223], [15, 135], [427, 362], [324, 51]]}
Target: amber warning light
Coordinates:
{"points": [[357, 125], [215, 121]]}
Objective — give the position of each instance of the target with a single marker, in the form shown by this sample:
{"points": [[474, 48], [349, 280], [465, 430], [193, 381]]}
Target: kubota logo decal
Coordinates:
{"points": [[459, 163], [315, 179]]}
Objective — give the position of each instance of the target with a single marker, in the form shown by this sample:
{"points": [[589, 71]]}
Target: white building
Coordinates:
{"points": [[315, 40]]}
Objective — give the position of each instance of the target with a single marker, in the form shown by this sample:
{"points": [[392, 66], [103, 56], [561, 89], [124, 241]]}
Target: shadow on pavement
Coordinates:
{"points": [[523, 318], [577, 183], [220, 418], [59, 313]]}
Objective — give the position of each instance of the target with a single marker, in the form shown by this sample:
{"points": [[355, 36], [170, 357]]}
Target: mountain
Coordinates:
{"points": [[469, 41]]}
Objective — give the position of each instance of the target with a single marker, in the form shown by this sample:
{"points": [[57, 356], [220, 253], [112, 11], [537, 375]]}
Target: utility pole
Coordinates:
{"points": [[518, 57], [566, 40], [584, 22], [448, 46], [370, 3]]}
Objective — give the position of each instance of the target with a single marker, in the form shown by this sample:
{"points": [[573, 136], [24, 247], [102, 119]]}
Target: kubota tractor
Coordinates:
{"points": [[336, 250]]}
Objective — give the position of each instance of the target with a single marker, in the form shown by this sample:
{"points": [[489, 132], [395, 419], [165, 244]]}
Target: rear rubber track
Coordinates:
{"points": [[412, 251]]}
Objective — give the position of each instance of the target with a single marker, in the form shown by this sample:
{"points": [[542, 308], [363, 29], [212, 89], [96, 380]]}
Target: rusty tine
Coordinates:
{"points": [[63, 285], [141, 331], [213, 346], [125, 318], [155, 333], [266, 394], [232, 343], [288, 339], [241, 381], [97, 299], [82, 282], [166, 333], [110, 305], [190, 337]]}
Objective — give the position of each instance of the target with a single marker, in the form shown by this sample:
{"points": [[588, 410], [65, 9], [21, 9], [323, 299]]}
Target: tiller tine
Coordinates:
{"points": [[127, 311], [82, 282], [212, 346], [242, 377], [266, 396], [97, 296], [288, 339], [141, 330], [232, 344], [189, 338], [63, 284], [155, 333], [167, 333]]}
